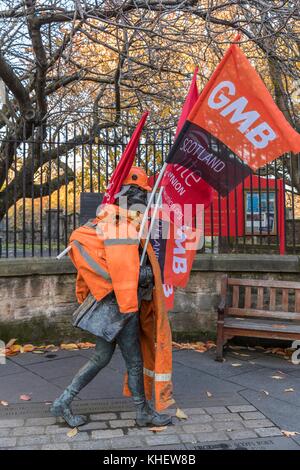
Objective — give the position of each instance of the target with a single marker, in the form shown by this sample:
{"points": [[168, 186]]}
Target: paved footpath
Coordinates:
{"points": [[240, 403]]}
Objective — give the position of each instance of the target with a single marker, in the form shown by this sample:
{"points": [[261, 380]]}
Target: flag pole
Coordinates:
{"points": [[64, 252], [157, 202], [152, 195]]}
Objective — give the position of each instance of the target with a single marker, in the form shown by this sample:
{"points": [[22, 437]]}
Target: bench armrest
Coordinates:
{"points": [[222, 306]]}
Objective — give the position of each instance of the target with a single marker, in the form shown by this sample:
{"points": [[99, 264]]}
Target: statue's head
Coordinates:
{"points": [[133, 193]]}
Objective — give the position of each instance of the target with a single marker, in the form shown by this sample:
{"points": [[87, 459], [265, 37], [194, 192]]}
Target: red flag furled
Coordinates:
{"points": [[124, 164], [234, 128]]}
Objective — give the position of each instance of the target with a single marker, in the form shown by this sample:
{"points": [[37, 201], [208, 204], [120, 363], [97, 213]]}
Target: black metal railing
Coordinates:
{"points": [[41, 184]]}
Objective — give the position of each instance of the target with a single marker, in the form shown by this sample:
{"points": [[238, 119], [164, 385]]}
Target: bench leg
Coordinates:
{"points": [[220, 341]]}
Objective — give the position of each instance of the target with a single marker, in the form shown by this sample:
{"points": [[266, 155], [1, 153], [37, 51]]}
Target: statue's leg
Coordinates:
{"points": [[100, 358], [129, 343]]}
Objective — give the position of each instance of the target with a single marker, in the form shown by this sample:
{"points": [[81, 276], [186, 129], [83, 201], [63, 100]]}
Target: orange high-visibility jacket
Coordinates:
{"points": [[105, 252]]}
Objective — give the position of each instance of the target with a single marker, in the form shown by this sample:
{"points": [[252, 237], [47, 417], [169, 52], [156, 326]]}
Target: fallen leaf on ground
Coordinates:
{"points": [[236, 364], [28, 347], [86, 345], [9, 352], [4, 403], [158, 428], [25, 397], [201, 350], [11, 342], [72, 432], [289, 390], [69, 347], [290, 433], [38, 351], [252, 362], [181, 414], [209, 394], [265, 392], [16, 348], [277, 377]]}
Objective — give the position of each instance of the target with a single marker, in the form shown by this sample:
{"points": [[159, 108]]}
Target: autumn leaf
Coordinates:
{"points": [[38, 351], [158, 428], [265, 392], [28, 347], [69, 347], [10, 342], [277, 377], [289, 390], [16, 348], [4, 403], [290, 433], [25, 397], [209, 394], [237, 364], [72, 432], [181, 414]]}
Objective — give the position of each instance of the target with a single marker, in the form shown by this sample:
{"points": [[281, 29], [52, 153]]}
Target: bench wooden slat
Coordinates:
{"points": [[235, 296], [285, 300], [247, 297], [297, 301], [272, 298], [263, 283], [262, 325], [251, 312], [260, 297]]}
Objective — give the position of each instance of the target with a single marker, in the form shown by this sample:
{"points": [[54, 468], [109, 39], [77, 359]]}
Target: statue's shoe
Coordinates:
{"points": [[60, 409], [146, 416]]}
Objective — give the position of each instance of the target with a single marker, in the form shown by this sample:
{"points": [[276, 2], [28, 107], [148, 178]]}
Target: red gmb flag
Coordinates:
{"points": [[125, 163], [234, 128]]}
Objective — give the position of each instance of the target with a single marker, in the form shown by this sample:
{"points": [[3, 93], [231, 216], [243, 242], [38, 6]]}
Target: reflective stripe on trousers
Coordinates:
{"points": [[157, 377]]}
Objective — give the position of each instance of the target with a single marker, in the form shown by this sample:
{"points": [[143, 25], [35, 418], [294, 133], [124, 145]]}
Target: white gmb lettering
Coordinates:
{"points": [[259, 136], [179, 263]]}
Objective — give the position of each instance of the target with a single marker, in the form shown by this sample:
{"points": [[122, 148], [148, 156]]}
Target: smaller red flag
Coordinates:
{"points": [[125, 163], [190, 100]]}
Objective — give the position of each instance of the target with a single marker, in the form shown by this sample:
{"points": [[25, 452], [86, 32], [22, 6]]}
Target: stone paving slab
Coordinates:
{"points": [[236, 414], [270, 443], [118, 432]]}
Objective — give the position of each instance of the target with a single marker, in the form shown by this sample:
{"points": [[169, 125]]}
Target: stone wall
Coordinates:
{"points": [[37, 295]]}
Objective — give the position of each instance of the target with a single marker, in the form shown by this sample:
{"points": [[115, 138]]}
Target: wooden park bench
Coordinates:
{"points": [[257, 308]]}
